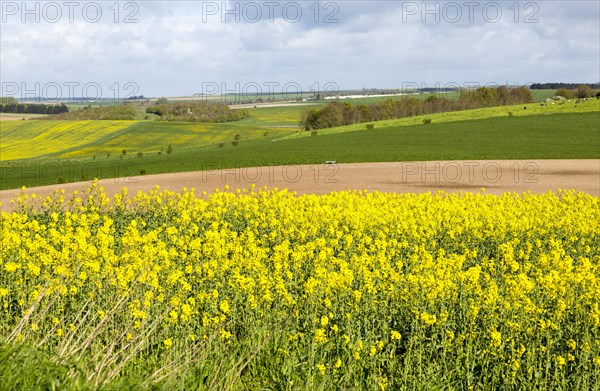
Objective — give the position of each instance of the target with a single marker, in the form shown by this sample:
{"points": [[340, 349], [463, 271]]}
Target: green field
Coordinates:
{"points": [[556, 136], [66, 139], [520, 110]]}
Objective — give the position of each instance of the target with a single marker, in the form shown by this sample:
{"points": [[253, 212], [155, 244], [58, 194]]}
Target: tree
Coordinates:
{"points": [[522, 94], [8, 100], [503, 94], [161, 101], [584, 91], [487, 95]]}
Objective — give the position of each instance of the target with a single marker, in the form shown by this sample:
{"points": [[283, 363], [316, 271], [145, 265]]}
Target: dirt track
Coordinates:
{"points": [[538, 176]]}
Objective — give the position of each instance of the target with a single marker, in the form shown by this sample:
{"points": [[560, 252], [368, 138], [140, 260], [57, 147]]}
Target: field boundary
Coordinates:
{"points": [[487, 176]]}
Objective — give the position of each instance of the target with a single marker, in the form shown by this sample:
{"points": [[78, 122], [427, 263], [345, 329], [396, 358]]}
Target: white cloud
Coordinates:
{"points": [[175, 47]]}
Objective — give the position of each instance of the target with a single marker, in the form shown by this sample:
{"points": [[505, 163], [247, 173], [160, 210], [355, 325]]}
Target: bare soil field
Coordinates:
{"points": [[7, 118], [495, 176]]}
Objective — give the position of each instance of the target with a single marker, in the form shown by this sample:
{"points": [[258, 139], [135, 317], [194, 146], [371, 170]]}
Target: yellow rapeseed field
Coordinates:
{"points": [[266, 289]]}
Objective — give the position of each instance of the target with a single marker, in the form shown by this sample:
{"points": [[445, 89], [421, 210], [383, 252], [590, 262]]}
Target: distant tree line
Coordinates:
{"points": [[196, 112], [114, 113], [345, 113], [557, 86], [11, 105]]}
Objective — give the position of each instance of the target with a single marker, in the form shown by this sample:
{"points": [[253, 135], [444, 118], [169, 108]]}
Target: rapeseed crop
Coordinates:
{"points": [[253, 289]]}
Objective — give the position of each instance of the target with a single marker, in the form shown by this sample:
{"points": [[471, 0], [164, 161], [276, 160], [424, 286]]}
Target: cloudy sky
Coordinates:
{"points": [[176, 48]]}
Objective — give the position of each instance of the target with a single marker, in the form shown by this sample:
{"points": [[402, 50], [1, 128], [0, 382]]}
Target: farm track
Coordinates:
{"points": [[495, 176]]}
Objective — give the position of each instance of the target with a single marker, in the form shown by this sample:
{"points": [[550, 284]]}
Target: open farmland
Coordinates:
{"points": [[517, 137], [43, 139], [267, 289], [300, 196]]}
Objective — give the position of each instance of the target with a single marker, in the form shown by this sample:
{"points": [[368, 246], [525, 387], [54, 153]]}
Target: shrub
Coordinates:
{"points": [[170, 149], [426, 121], [568, 94], [370, 126], [510, 113], [124, 152], [140, 154], [221, 145], [235, 142], [143, 171], [313, 132]]}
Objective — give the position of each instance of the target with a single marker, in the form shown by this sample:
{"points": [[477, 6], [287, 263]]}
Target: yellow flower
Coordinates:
{"points": [[428, 319], [225, 335], [168, 343], [11, 266], [320, 336], [372, 351], [395, 336], [224, 306], [322, 368], [496, 337]]}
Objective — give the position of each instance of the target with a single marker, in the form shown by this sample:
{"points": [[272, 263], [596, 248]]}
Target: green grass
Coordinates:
{"points": [[520, 110], [556, 136]]}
